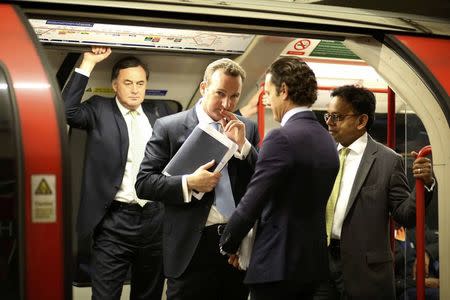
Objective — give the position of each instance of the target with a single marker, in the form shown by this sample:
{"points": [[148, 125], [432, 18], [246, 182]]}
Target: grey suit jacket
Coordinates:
{"points": [[184, 222], [380, 189]]}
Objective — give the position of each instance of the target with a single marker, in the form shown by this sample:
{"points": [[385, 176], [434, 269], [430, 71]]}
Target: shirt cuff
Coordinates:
{"points": [[430, 189], [82, 72], [244, 151], [187, 195]]}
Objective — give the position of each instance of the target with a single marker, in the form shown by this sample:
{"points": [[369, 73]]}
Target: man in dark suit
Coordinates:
{"points": [[288, 192], [373, 187], [192, 263], [126, 230]]}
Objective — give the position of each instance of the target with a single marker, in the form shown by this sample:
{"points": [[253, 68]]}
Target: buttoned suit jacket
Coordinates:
{"points": [[380, 189], [293, 178], [106, 149], [184, 222]]}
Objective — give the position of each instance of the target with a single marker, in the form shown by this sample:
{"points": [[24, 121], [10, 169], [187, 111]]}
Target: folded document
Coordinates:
{"points": [[204, 144]]}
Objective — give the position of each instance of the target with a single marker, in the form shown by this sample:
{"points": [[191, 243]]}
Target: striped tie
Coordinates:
{"points": [[331, 205]]}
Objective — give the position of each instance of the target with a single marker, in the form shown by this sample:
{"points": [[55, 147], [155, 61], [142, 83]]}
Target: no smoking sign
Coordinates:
{"points": [[302, 44]]}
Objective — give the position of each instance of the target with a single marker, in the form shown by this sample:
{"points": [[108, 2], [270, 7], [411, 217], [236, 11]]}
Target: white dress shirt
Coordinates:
{"points": [[351, 166], [126, 192]]}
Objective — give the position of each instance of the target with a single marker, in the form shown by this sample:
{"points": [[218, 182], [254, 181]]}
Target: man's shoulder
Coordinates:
{"points": [[381, 149], [100, 101], [174, 121], [174, 118]]}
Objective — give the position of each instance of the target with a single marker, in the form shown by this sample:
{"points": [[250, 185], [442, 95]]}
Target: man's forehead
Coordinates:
{"points": [[338, 104]]}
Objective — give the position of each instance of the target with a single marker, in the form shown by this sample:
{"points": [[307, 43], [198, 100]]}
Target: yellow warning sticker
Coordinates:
{"points": [[43, 198], [100, 90], [43, 188]]}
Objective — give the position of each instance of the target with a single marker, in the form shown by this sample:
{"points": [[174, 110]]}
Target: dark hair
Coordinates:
{"points": [[297, 76], [128, 62], [361, 99], [228, 66]]}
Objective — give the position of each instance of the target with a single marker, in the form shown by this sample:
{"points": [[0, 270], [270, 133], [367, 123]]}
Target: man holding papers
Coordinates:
{"points": [[288, 193], [192, 263]]}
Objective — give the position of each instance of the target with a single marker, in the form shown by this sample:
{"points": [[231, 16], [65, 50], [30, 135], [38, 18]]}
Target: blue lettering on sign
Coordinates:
{"points": [[69, 23], [155, 92]]}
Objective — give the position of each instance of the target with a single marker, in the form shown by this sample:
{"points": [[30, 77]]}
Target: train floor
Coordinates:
{"points": [[85, 293]]}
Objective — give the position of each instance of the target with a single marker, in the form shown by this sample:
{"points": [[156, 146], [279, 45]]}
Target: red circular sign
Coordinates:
{"points": [[302, 44]]}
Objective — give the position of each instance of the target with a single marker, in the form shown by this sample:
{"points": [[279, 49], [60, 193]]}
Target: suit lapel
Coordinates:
{"points": [[367, 161], [123, 131], [190, 122]]}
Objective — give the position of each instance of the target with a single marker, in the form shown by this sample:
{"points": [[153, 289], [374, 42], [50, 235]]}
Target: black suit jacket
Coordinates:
{"points": [[184, 222], [106, 149], [380, 189], [288, 193]]}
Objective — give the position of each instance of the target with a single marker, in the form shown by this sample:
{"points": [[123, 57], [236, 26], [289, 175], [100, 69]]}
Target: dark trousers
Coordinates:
{"points": [[333, 289], [286, 290], [129, 235], [208, 275]]}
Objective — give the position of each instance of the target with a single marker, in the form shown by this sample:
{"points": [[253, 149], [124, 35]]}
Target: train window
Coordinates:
{"points": [[9, 263]]}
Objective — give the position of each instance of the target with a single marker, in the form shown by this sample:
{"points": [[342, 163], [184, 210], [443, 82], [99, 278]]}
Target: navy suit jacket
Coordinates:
{"points": [[184, 222], [106, 149], [293, 178]]}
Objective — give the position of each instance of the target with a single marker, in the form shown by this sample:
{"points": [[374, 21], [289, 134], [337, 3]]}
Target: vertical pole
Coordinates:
{"points": [[420, 231], [261, 116], [391, 133], [391, 143]]}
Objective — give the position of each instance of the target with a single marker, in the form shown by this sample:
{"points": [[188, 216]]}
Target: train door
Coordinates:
{"points": [[34, 219]]}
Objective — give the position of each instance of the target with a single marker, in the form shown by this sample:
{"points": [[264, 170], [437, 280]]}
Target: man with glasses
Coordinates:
{"points": [[371, 186]]}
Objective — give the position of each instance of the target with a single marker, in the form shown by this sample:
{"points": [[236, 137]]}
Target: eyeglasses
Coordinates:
{"points": [[336, 117]]}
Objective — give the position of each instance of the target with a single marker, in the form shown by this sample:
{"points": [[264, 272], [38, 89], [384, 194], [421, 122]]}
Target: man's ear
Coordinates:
{"points": [[362, 121], [203, 86], [284, 91], [114, 85]]}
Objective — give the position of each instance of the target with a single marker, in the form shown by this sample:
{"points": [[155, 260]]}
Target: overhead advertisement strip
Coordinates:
{"points": [[89, 33]]}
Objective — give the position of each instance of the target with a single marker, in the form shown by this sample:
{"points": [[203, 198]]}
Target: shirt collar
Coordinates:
{"points": [[358, 146], [202, 116], [124, 110], [292, 112]]}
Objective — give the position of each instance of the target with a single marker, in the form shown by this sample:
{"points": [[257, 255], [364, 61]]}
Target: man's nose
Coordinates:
{"points": [[226, 103], [329, 121], [134, 88]]}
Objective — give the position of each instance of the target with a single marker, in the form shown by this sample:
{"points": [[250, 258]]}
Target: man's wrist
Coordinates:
{"points": [[430, 188]]}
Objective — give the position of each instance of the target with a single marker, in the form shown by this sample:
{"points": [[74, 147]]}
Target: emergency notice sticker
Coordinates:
{"points": [[43, 198]]}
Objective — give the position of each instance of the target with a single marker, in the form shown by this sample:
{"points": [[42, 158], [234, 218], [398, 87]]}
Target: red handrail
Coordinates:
{"points": [[420, 231], [261, 114]]}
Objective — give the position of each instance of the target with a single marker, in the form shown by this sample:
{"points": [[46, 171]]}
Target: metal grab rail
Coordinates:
{"points": [[420, 231]]}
